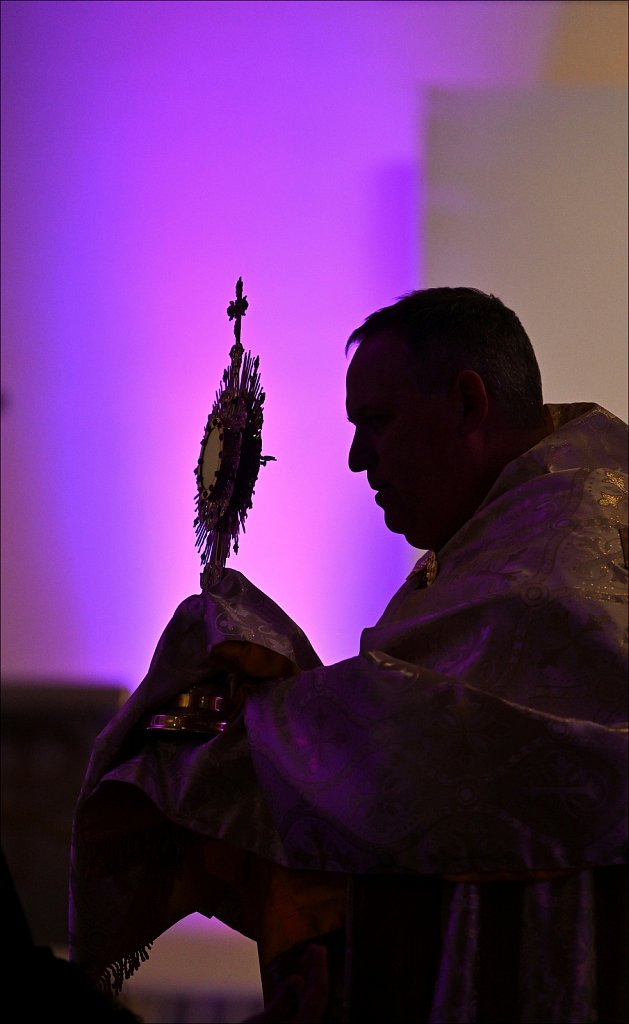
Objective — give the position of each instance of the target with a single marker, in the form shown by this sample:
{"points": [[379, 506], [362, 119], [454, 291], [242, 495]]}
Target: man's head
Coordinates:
{"points": [[443, 390]]}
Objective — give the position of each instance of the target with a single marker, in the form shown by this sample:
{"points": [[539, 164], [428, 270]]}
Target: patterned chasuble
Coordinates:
{"points": [[480, 733]]}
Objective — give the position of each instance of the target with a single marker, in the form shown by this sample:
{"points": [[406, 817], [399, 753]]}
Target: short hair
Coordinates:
{"points": [[454, 329]]}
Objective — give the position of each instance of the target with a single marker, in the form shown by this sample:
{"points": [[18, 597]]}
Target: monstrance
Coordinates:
{"points": [[226, 474], [230, 456]]}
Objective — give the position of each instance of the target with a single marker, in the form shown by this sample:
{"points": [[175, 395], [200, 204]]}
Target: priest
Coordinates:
{"points": [[445, 811]]}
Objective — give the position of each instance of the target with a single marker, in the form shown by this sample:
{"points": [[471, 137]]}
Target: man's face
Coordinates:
{"points": [[407, 442]]}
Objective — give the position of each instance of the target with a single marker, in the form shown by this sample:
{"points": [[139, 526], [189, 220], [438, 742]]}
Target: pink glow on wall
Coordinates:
{"points": [[154, 152]]}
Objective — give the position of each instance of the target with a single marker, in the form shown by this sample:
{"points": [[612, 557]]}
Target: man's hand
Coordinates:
{"points": [[185, 655], [251, 660]]}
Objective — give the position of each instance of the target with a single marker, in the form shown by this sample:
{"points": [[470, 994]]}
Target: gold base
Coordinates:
{"points": [[186, 723], [204, 709]]}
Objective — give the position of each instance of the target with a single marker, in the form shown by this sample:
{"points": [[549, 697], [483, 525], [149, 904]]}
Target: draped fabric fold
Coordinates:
{"points": [[478, 735]]}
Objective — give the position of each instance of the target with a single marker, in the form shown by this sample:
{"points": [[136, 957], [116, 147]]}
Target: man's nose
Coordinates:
{"points": [[358, 458]]}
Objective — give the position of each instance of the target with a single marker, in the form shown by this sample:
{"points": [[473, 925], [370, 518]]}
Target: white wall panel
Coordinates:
{"points": [[526, 197]]}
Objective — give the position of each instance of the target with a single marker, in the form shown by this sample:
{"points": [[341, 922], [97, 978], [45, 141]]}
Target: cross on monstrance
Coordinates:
{"points": [[237, 309]]}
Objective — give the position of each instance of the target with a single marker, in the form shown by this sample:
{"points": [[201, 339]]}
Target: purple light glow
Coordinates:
{"points": [[154, 152]]}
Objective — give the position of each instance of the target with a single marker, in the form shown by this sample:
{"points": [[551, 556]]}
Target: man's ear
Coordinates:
{"points": [[471, 402]]}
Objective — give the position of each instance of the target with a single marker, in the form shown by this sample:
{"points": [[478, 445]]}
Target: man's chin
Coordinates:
{"points": [[396, 525], [393, 522]]}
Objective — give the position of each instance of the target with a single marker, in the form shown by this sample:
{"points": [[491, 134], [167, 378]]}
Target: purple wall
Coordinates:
{"points": [[154, 152]]}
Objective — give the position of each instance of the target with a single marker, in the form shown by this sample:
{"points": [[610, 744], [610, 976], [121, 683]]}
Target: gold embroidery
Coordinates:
{"points": [[425, 570], [609, 500], [432, 568], [618, 481]]}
